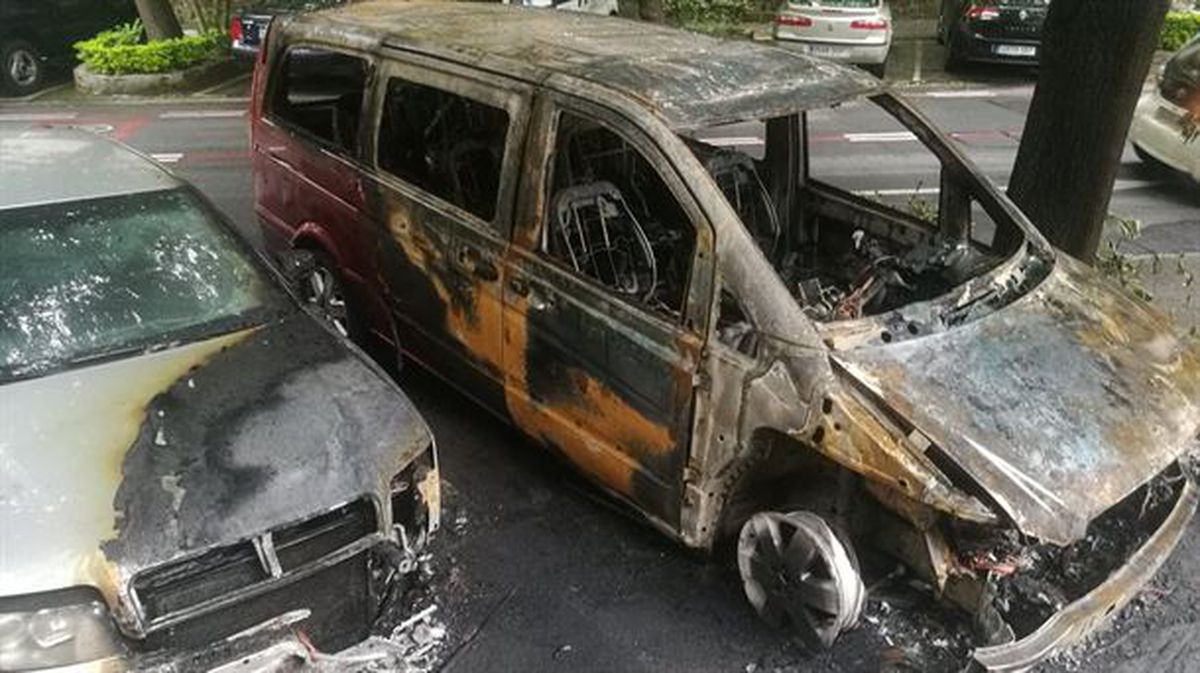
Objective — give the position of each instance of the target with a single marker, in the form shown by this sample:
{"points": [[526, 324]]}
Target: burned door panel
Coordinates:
{"points": [[443, 143], [597, 363]]}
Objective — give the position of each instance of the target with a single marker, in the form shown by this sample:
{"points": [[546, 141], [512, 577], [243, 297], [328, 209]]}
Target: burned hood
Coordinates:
{"points": [[114, 468], [1058, 405]]}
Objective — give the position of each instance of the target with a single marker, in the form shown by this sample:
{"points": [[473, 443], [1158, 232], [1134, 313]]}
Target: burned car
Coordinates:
{"points": [[617, 236], [192, 468]]}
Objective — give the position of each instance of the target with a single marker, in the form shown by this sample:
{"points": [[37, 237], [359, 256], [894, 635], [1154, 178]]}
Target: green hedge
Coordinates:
{"points": [[1179, 28], [121, 51]]}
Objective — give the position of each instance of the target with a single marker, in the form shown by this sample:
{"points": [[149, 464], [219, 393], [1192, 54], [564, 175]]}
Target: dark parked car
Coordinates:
{"points": [[992, 31], [192, 467], [37, 34], [548, 209], [249, 26]]}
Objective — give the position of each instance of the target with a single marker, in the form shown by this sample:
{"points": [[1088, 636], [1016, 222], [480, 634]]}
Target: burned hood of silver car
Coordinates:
{"points": [[1058, 405], [115, 468]]}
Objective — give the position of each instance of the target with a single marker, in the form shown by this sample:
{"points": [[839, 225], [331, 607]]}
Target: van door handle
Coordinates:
{"points": [[474, 262], [519, 287]]}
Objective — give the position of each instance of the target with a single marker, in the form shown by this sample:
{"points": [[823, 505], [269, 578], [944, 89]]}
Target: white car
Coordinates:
{"points": [[1157, 131], [852, 31], [604, 7]]}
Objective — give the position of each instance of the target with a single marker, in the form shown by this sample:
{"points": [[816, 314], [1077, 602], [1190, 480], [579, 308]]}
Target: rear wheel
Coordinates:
{"points": [[325, 292], [797, 572], [23, 70]]}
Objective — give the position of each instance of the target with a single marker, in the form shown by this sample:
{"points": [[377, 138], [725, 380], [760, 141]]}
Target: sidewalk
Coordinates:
{"points": [[1170, 280]]}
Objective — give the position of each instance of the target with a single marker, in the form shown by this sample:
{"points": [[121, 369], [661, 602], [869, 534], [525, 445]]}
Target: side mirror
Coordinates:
{"points": [[296, 266]]}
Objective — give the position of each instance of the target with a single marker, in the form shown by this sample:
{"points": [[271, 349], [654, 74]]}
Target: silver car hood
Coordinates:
{"points": [[1058, 405], [110, 469]]}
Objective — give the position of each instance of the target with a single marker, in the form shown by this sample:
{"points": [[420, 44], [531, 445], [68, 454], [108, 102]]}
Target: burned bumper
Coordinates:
{"points": [[1078, 619]]}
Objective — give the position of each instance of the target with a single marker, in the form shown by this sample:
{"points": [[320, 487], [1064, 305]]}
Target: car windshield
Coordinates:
{"points": [[85, 280], [835, 3], [295, 5]]}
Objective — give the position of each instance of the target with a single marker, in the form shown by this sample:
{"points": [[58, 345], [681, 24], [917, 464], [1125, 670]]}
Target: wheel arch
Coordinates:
{"points": [[780, 471]]}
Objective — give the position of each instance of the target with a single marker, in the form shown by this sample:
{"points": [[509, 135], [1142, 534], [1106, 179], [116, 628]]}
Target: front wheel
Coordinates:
{"points": [[797, 572], [23, 70]]}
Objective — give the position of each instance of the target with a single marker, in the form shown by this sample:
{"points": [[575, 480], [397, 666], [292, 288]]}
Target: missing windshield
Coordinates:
{"points": [[859, 208]]}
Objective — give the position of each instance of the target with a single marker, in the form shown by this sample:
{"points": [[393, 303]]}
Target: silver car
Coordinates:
{"points": [[192, 468], [852, 31]]}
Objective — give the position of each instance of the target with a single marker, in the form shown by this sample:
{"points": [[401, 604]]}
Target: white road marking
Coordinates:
{"points": [[922, 191], [886, 137], [38, 116], [962, 93], [733, 141], [1120, 186], [167, 157], [202, 114]]}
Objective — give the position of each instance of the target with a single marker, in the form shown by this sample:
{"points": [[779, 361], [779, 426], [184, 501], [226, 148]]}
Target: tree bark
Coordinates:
{"points": [[1095, 57], [652, 10], [159, 19]]}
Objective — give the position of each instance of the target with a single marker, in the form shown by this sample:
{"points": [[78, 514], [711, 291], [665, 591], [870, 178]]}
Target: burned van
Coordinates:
{"points": [[635, 244]]}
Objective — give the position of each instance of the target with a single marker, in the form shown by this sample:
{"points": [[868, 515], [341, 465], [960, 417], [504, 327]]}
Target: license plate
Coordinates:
{"points": [[1016, 50], [827, 51]]}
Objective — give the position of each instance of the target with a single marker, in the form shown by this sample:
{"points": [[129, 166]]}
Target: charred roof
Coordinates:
{"points": [[692, 80]]}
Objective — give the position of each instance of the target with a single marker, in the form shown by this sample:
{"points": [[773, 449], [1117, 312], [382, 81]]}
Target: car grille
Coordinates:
{"points": [[173, 589]]}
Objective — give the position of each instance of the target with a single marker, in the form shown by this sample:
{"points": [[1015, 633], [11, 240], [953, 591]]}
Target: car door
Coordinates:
{"points": [[443, 202], [600, 350], [308, 154]]}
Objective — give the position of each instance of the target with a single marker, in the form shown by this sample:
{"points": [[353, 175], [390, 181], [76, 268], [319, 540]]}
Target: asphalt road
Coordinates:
{"points": [[534, 571]]}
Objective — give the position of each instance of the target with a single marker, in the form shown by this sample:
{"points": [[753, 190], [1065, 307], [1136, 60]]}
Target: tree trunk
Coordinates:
{"points": [[651, 10], [159, 19], [1095, 57]]}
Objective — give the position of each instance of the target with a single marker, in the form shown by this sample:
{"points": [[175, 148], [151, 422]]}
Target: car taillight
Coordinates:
{"points": [[794, 21], [869, 24], [982, 12], [235, 29]]}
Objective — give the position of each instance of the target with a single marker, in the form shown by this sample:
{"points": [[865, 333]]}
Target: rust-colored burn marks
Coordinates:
{"points": [[625, 448], [435, 284]]}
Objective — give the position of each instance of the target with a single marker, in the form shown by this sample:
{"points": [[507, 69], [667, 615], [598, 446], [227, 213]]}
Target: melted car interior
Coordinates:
{"points": [[848, 253]]}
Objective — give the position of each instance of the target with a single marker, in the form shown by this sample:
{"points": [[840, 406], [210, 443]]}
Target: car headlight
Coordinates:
{"points": [[59, 628]]}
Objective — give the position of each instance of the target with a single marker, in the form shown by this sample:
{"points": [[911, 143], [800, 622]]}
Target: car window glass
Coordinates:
{"points": [[321, 92], [612, 218], [83, 279], [446, 144]]}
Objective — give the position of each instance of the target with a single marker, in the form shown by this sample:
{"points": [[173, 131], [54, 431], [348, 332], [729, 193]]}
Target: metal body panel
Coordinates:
{"points": [[1059, 405]]}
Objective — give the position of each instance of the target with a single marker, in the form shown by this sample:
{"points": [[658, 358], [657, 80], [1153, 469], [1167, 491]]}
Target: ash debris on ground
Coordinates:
{"points": [[413, 646]]}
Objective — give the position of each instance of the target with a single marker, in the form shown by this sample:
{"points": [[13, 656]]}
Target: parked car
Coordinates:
{"points": [[853, 31], [1157, 132], [37, 36], [249, 25], [992, 31], [604, 7], [194, 467], [612, 234]]}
